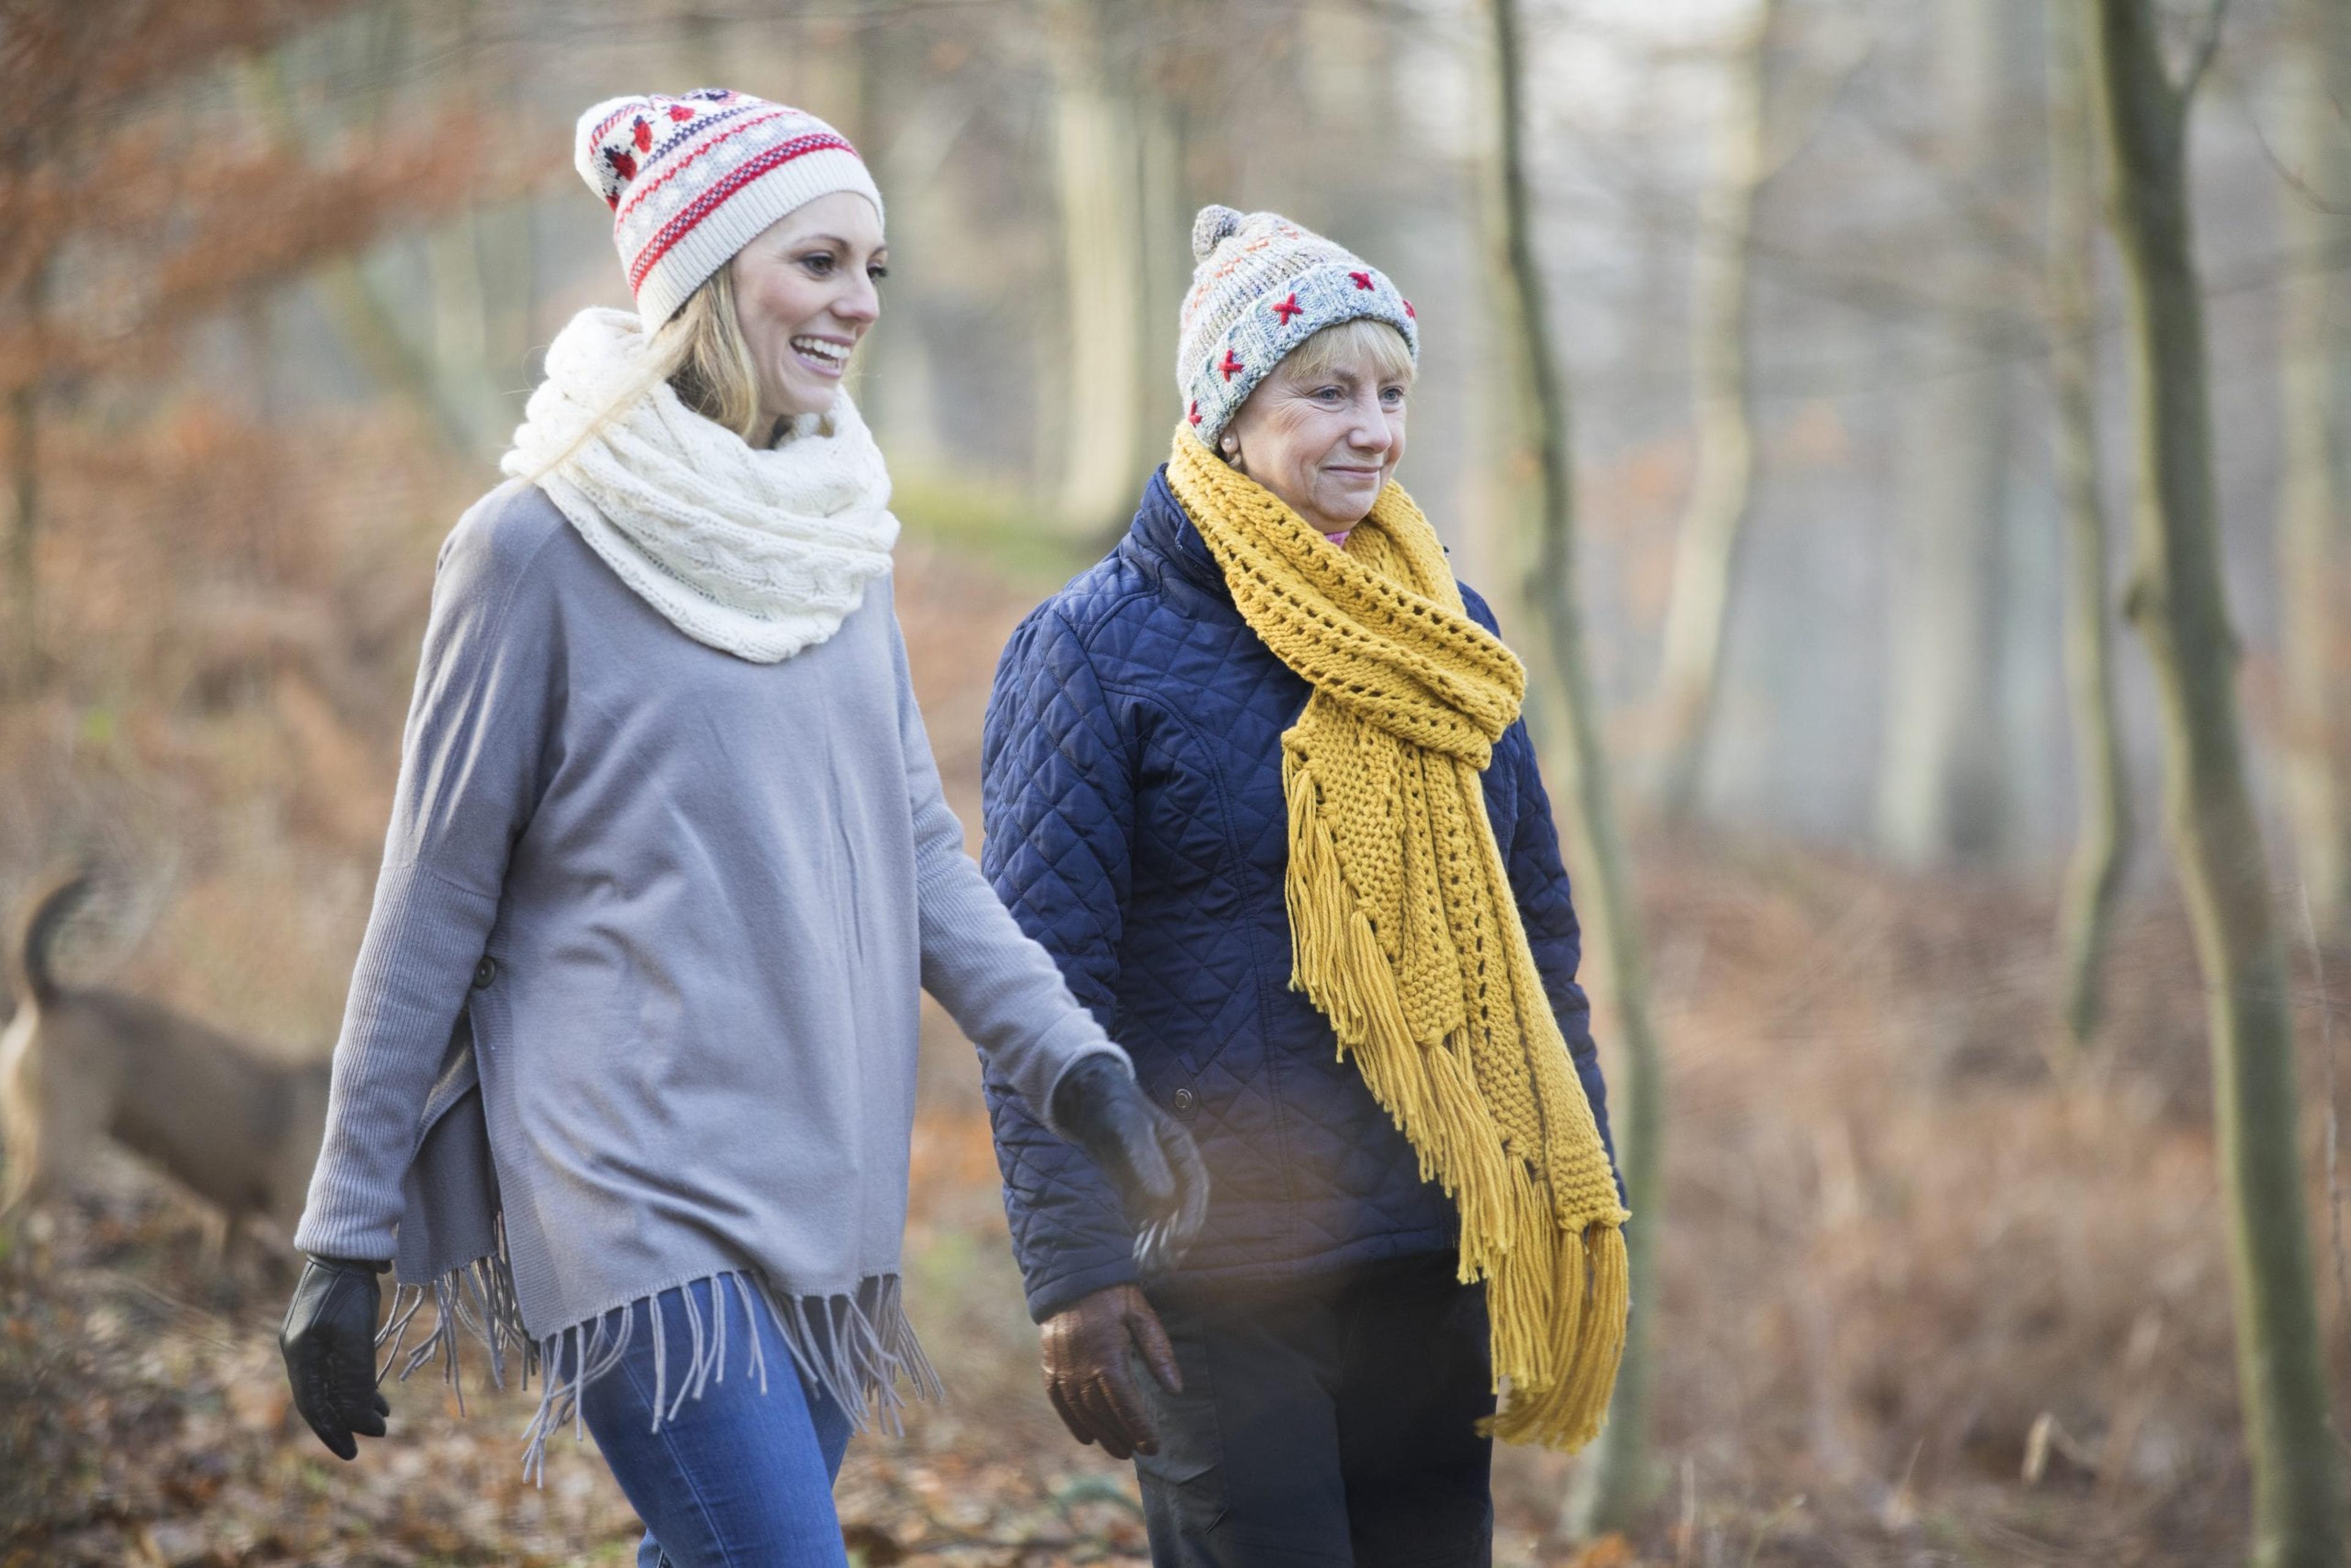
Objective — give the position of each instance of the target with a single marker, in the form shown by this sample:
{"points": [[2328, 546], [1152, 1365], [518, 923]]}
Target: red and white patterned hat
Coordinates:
{"points": [[692, 179]]}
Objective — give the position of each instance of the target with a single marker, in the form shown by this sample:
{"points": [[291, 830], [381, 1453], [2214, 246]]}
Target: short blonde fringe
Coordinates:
{"points": [[1348, 344], [702, 353]]}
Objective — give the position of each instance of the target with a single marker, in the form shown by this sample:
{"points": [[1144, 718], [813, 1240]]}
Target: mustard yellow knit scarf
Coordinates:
{"points": [[1403, 928]]}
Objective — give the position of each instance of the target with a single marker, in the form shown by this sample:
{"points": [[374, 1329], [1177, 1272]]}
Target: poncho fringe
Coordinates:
{"points": [[1445, 1014], [856, 1347]]}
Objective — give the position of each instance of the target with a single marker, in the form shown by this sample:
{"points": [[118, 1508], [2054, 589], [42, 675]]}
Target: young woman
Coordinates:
{"points": [[1258, 781], [626, 1077]]}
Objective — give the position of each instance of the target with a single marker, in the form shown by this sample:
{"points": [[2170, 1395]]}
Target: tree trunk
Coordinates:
{"points": [[2315, 369], [24, 652], [1164, 254], [2093, 876], [1940, 795], [2177, 602], [1095, 163], [24, 535], [1616, 1479], [1707, 545]]}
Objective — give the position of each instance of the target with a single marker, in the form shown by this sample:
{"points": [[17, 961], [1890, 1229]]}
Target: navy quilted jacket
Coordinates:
{"points": [[1135, 827]]}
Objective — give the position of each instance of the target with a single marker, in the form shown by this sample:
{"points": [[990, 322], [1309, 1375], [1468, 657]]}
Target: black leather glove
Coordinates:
{"points": [[328, 1342], [1147, 1154]]}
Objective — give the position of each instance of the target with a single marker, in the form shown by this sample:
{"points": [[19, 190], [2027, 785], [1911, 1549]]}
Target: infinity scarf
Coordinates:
{"points": [[759, 551], [1403, 924]]}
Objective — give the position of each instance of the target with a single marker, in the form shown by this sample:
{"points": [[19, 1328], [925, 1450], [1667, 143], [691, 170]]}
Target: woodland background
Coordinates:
{"points": [[1942, 1246]]}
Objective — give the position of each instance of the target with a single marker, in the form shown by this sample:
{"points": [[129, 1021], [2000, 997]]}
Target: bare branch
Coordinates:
{"points": [[2206, 48]]}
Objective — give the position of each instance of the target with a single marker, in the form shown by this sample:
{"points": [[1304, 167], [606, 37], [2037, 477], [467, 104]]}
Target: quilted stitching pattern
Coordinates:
{"points": [[1132, 779]]}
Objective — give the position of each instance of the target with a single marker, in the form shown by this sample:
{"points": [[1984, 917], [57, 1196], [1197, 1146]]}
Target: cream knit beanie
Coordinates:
{"points": [[692, 179], [1263, 285]]}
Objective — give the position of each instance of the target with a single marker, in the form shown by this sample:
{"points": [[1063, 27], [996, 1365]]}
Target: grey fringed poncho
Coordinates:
{"points": [[637, 1002]]}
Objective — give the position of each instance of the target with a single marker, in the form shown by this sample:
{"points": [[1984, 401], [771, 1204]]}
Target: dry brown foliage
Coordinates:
{"points": [[1897, 1244]]}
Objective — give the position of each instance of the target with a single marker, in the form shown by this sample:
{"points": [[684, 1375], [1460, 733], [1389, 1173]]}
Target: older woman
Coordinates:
{"points": [[1258, 783]]}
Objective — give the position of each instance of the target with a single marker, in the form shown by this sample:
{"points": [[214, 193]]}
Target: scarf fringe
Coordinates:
{"points": [[856, 1347], [1557, 1303], [477, 1298]]}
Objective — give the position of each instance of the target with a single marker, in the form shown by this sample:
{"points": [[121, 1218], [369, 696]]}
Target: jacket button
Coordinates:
{"points": [[1186, 1101], [485, 972]]}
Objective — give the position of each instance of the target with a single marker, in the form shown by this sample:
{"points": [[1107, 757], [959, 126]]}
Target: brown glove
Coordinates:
{"points": [[1089, 1369]]}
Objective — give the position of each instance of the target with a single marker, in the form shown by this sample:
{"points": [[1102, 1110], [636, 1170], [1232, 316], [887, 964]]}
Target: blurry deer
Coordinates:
{"points": [[239, 1129]]}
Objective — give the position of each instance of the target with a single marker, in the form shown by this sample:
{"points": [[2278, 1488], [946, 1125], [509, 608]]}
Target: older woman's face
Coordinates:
{"points": [[1325, 445]]}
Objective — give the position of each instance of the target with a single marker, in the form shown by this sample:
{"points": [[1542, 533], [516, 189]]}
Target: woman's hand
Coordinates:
{"points": [[1089, 1369], [1146, 1153], [328, 1342]]}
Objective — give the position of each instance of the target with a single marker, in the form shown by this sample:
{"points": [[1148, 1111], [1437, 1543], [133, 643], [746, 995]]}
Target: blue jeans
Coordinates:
{"points": [[737, 1476]]}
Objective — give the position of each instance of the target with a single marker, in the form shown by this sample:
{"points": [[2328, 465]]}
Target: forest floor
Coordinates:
{"points": [[1931, 1291]]}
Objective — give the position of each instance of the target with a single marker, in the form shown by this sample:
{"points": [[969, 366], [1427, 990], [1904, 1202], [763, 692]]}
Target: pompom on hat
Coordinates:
{"points": [[1262, 287], [694, 179]]}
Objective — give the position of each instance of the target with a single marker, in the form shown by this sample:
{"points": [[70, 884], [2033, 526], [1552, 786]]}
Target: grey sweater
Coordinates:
{"points": [[637, 1002]]}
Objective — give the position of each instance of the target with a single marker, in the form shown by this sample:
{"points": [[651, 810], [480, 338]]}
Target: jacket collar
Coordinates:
{"points": [[1163, 540]]}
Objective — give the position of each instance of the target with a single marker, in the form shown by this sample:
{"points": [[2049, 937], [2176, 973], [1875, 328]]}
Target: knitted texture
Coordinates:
{"points": [[1404, 929], [692, 179], [1262, 287], [760, 551]]}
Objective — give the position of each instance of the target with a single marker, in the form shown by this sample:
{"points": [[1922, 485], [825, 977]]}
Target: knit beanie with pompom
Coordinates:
{"points": [[692, 179], [1262, 287]]}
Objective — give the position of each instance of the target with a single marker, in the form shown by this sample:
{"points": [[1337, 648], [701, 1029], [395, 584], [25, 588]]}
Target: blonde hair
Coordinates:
{"points": [[701, 353], [1350, 343]]}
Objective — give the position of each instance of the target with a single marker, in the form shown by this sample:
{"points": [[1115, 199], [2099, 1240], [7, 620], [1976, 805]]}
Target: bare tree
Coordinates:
{"points": [[24, 502], [2315, 362], [1615, 1481], [2178, 602], [1096, 158], [1940, 795], [1705, 544], [2094, 874], [65, 70]]}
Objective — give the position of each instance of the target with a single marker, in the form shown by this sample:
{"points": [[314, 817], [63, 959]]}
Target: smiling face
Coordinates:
{"points": [[804, 295], [1325, 430]]}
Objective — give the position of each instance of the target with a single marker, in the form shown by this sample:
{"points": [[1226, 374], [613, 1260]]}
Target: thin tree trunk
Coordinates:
{"points": [[1163, 216], [2315, 362], [1940, 797], [1707, 544], [1616, 1479], [2178, 603], [1095, 162], [24, 652], [900, 393], [2094, 875], [24, 534]]}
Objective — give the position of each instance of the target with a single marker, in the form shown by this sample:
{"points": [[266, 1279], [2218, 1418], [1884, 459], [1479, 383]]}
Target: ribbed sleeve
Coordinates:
{"points": [[1000, 986], [473, 762]]}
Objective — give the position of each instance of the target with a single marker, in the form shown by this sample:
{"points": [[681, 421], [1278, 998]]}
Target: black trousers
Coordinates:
{"points": [[1327, 1421]]}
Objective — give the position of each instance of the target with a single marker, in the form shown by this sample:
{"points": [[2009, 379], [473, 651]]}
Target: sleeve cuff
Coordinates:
{"points": [[1063, 1291], [1073, 1040]]}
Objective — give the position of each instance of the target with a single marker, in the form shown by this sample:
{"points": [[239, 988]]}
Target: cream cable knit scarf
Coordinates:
{"points": [[759, 552]]}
